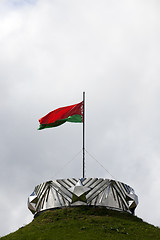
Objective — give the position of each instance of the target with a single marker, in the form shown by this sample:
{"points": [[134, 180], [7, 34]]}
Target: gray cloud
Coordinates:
{"points": [[51, 51]]}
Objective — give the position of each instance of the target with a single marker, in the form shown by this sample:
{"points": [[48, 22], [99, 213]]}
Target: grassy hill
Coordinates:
{"points": [[86, 223]]}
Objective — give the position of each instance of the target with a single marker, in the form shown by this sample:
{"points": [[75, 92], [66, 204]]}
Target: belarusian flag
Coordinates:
{"points": [[73, 113]]}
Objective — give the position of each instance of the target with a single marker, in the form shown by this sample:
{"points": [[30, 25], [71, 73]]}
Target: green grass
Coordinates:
{"points": [[86, 223]]}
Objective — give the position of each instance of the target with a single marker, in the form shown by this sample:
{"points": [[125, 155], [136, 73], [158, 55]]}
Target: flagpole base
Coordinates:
{"points": [[100, 192]]}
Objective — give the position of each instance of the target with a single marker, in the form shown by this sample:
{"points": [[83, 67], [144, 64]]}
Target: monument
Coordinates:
{"points": [[97, 192]]}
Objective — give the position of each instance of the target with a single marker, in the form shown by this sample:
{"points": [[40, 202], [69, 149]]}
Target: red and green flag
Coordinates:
{"points": [[73, 113]]}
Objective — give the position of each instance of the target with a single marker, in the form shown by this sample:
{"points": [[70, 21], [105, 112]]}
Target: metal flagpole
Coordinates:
{"points": [[83, 134]]}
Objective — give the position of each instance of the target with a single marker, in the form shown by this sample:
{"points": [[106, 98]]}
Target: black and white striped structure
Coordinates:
{"points": [[86, 191]]}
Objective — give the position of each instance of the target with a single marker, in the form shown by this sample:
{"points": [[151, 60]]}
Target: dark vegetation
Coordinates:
{"points": [[86, 223]]}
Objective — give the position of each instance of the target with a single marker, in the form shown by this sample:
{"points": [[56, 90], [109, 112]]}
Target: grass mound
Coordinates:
{"points": [[86, 223]]}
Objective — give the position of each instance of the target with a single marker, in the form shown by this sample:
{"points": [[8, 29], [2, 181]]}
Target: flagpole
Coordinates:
{"points": [[83, 134]]}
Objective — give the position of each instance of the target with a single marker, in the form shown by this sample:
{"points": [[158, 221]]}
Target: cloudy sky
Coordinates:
{"points": [[52, 51]]}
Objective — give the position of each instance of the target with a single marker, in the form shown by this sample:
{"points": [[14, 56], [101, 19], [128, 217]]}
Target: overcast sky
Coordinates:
{"points": [[52, 51]]}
